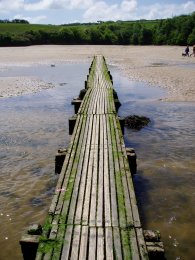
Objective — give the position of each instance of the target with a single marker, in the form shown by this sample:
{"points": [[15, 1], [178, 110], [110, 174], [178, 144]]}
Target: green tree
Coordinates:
{"points": [[96, 36], [136, 34], [124, 35], [110, 37], [20, 40], [5, 39], [191, 37], [66, 36], [145, 36]]}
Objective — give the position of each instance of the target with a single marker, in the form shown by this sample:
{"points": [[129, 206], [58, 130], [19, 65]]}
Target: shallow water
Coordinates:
{"points": [[34, 127], [165, 150]]}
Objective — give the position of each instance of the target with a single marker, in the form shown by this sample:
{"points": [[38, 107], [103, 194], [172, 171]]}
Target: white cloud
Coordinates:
{"points": [[58, 4], [80, 3], [93, 10], [129, 5], [130, 10], [43, 5], [9, 5], [167, 10], [32, 20], [102, 11]]}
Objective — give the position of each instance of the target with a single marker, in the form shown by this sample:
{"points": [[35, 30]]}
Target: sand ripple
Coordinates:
{"points": [[15, 86]]}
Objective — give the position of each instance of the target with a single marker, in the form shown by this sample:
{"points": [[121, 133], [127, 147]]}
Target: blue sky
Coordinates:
{"points": [[68, 11]]}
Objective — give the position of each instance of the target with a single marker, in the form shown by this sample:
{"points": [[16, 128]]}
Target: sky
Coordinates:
{"points": [[71, 11]]}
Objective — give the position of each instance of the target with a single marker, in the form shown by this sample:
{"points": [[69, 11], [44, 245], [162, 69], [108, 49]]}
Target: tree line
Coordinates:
{"points": [[178, 30], [22, 21]]}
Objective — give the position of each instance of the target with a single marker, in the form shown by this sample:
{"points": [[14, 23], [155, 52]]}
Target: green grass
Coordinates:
{"points": [[17, 28], [21, 28]]}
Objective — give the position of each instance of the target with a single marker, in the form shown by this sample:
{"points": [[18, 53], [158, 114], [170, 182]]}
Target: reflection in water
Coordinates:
{"points": [[34, 127], [166, 164]]}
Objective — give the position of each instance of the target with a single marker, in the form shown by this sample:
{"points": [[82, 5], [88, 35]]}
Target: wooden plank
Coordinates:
{"points": [[119, 186], [125, 244], [92, 244], [75, 243], [141, 244], [114, 208], [107, 203], [92, 101], [63, 177], [130, 220], [85, 102], [77, 168], [109, 243], [57, 205], [100, 244], [88, 188], [133, 245], [98, 102], [67, 243], [117, 244], [83, 170], [99, 222], [84, 242], [96, 105], [60, 241], [135, 213], [93, 205], [73, 170]]}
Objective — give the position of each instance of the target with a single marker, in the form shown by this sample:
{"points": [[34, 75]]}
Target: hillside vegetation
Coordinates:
{"points": [[178, 30]]}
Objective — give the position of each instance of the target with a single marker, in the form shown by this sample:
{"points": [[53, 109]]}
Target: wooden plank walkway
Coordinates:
{"points": [[94, 214]]}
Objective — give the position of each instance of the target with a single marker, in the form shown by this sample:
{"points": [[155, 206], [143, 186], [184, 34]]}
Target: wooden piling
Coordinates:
{"points": [[30, 240], [77, 103], [59, 160], [72, 122], [131, 155], [122, 123]]}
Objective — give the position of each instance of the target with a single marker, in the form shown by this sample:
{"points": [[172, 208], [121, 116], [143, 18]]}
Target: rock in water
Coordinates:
{"points": [[136, 122]]}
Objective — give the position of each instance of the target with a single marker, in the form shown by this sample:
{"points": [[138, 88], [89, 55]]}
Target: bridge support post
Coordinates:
{"points": [[154, 246], [122, 123], [117, 104], [82, 93], [131, 155], [85, 84], [59, 160], [72, 122], [29, 241], [76, 103], [111, 79]]}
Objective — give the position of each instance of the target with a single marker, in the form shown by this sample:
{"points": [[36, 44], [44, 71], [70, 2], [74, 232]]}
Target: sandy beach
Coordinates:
{"points": [[161, 66]]}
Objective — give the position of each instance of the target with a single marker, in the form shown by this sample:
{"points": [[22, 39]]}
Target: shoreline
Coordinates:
{"points": [[158, 66]]}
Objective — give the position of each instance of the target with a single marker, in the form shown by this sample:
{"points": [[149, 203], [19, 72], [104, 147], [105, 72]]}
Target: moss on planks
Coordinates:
{"points": [[118, 181]]}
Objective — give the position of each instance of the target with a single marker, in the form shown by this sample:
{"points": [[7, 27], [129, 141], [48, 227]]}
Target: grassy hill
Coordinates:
{"points": [[176, 31]]}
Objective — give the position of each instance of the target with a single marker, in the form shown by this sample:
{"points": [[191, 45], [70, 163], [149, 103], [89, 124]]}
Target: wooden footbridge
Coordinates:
{"points": [[93, 214]]}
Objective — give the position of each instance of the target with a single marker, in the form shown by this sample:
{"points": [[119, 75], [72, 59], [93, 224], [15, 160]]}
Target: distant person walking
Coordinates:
{"points": [[187, 50], [193, 51]]}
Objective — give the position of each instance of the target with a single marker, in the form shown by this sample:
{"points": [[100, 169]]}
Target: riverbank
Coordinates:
{"points": [[161, 66]]}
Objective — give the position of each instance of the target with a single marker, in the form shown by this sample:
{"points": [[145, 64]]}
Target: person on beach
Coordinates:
{"points": [[187, 51], [193, 51]]}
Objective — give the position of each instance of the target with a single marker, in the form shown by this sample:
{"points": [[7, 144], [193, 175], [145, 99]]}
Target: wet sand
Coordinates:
{"points": [[161, 66]]}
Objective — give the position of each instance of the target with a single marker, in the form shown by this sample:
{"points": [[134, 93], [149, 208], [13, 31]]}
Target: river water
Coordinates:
{"points": [[35, 126]]}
